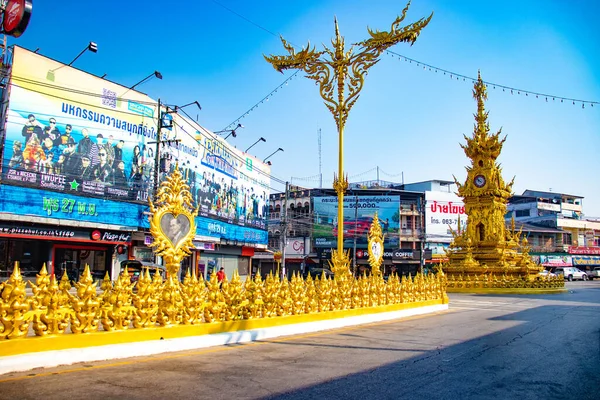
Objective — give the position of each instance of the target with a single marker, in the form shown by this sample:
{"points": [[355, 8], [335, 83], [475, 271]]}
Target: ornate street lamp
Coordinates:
{"points": [[337, 71]]}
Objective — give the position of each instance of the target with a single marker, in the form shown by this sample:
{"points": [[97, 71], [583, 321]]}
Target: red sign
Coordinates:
{"points": [[16, 17], [584, 250]]}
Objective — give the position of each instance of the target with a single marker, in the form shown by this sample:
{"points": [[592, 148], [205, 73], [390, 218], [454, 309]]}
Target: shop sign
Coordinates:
{"points": [[26, 201], [397, 254], [204, 246], [295, 247], [584, 250], [556, 261], [56, 232], [586, 260], [442, 213], [16, 17]]}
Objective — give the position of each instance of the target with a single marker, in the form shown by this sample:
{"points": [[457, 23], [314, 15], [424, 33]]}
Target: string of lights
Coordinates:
{"points": [[513, 90], [266, 98], [390, 175], [451, 74]]}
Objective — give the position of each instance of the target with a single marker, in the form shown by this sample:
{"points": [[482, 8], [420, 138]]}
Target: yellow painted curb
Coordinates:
{"points": [[35, 344], [507, 290]]}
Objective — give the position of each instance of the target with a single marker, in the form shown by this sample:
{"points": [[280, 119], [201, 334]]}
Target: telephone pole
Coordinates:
{"points": [[284, 230], [355, 223]]}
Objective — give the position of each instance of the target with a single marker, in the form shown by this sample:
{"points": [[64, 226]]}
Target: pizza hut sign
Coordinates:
{"points": [[15, 17]]}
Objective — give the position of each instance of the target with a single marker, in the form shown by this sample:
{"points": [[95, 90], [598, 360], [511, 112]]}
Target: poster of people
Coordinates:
{"points": [[358, 215], [72, 132]]}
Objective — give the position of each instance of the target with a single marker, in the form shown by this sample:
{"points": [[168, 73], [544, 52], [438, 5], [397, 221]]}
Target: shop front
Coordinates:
{"points": [[60, 248]]}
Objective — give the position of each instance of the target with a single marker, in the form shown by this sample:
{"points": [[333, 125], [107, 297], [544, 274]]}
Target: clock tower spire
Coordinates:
{"points": [[485, 253]]}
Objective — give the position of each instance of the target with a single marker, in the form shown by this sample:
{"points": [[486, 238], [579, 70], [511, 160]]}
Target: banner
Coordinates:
{"points": [[442, 213], [358, 215], [71, 132]]}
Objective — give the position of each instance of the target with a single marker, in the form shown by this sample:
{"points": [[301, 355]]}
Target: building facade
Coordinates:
{"points": [[568, 237], [80, 159]]}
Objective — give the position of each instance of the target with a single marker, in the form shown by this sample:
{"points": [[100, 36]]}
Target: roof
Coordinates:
{"points": [[525, 227]]}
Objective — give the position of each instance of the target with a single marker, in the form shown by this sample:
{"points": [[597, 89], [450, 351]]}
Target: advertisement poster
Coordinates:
{"points": [[70, 132], [358, 215], [442, 213]]}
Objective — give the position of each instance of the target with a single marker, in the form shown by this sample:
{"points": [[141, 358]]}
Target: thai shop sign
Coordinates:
{"points": [[358, 215], [442, 213]]}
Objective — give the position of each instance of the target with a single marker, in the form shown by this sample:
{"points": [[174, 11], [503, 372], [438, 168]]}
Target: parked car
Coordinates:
{"points": [[594, 273], [545, 274], [571, 273], [136, 267]]}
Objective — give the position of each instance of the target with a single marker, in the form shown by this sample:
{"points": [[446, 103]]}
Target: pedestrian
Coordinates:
{"points": [[221, 275]]}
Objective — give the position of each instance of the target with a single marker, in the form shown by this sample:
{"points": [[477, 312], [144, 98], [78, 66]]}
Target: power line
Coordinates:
{"points": [[266, 98]]}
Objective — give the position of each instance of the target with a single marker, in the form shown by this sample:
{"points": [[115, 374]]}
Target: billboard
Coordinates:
{"points": [[442, 213], [358, 215], [71, 132]]}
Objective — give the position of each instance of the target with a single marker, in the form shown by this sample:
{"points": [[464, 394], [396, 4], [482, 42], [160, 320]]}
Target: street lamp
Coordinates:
{"points": [[340, 74], [262, 139], [231, 131], [155, 74], [92, 46], [265, 160]]}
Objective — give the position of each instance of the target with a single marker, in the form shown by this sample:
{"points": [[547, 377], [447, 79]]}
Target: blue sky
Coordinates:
{"points": [[408, 119]]}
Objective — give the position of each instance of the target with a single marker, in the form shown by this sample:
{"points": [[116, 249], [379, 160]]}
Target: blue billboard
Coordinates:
{"points": [[358, 216]]}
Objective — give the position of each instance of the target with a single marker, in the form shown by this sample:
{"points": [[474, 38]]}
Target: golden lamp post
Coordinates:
{"points": [[337, 71]]}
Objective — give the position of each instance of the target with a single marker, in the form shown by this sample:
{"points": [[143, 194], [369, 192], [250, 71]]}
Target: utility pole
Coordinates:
{"points": [[284, 230], [355, 223], [422, 235], [157, 153]]}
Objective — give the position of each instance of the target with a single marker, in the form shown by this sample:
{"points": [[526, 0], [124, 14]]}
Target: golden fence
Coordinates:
{"points": [[503, 281], [54, 308]]}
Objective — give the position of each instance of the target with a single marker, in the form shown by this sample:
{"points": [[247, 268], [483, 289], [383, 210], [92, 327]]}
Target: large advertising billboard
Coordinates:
{"points": [[358, 215], [71, 132], [442, 212]]}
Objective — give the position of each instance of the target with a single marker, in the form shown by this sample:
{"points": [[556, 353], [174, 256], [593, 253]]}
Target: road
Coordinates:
{"points": [[484, 347]]}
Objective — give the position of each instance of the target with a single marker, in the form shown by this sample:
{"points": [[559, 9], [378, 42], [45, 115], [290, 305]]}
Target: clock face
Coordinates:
{"points": [[479, 181]]}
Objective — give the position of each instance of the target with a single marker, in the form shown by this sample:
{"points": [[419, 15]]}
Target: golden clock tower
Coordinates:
{"points": [[484, 253]]}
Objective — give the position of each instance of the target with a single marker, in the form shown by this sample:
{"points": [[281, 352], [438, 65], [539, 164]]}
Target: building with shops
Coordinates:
{"points": [[304, 223], [80, 158], [557, 229]]}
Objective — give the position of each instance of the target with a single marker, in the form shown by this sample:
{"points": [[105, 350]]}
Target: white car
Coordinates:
{"points": [[571, 273], [546, 274]]}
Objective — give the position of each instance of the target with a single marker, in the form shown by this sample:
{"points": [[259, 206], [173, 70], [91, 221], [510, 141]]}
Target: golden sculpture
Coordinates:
{"points": [[172, 223], [345, 71], [484, 253], [14, 318], [375, 246]]}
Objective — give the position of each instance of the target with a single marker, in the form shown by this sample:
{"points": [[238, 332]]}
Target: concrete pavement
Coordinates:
{"points": [[485, 347]]}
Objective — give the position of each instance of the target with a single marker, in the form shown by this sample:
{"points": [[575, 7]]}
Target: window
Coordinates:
{"points": [[522, 213]]}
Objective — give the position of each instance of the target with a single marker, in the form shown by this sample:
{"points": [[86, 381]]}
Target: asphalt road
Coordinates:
{"points": [[484, 347]]}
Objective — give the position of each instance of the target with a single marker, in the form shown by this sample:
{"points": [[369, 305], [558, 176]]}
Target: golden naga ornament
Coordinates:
{"points": [[340, 75], [14, 307], [375, 244], [172, 223]]}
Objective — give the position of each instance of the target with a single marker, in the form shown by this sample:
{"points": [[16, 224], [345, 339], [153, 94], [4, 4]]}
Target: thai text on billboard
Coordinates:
{"points": [[69, 131], [358, 215], [442, 212]]}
